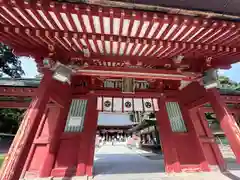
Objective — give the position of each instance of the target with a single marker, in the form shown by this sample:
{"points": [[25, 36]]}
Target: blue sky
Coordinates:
{"points": [[233, 73], [30, 69]]}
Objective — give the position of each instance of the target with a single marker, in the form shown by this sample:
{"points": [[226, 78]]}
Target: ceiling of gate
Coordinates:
{"points": [[103, 36], [222, 7]]}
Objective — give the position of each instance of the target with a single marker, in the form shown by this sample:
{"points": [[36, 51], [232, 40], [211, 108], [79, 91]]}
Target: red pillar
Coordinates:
{"points": [[87, 142], [188, 148], [227, 122], [215, 151], [171, 160], [52, 147], [15, 160], [33, 146], [194, 142]]}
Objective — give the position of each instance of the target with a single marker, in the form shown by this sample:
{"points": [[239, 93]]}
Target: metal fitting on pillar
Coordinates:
{"points": [[210, 79]]}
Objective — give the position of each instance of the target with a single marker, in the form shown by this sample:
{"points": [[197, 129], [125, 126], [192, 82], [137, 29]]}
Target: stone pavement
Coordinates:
{"points": [[230, 159], [121, 163]]}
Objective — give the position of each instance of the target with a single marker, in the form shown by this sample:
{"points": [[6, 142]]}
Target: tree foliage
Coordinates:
{"points": [[226, 82], [10, 120], [11, 66], [9, 63]]}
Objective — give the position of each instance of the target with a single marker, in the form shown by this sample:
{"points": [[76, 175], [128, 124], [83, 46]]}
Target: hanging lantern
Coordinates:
{"points": [[62, 73]]}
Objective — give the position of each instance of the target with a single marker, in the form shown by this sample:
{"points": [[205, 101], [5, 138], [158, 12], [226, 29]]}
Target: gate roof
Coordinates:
{"points": [[223, 7], [116, 36]]}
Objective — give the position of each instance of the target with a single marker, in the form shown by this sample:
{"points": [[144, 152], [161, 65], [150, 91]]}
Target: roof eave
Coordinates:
{"points": [[159, 8]]}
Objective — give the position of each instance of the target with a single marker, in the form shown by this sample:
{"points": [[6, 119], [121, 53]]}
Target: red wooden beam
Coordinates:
{"points": [[135, 73], [30, 92], [210, 110], [17, 91], [81, 8], [118, 93], [68, 17], [14, 35], [206, 139], [130, 26], [55, 9], [197, 103], [231, 98], [58, 36], [138, 61], [43, 12], [225, 35], [120, 31], [13, 105]]}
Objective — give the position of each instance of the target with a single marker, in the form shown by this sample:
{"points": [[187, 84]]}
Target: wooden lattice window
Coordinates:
{"points": [[76, 116], [175, 117]]}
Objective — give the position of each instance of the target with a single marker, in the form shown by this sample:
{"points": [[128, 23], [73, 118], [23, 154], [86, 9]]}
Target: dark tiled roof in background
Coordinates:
{"points": [[34, 82], [23, 82]]}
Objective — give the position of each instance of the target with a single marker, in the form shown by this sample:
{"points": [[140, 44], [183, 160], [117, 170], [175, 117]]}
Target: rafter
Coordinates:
{"points": [[114, 32]]}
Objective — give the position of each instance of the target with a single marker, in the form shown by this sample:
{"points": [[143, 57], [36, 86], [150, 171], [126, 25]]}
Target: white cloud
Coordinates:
{"points": [[221, 72]]}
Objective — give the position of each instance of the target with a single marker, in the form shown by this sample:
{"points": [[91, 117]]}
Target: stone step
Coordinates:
{"points": [[227, 151]]}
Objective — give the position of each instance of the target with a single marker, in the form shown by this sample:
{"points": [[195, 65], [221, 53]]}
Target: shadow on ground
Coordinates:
{"points": [[230, 175], [232, 168], [127, 164]]}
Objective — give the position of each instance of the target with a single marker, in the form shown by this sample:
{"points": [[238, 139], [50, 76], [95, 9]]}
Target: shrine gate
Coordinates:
{"points": [[90, 52]]}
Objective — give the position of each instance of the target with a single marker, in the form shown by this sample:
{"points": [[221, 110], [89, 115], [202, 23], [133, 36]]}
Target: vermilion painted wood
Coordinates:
{"points": [[171, 159], [213, 153], [55, 136], [210, 109], [198, 159], [13, 105], [40, 34], [204, 140], [37, 142], [87, 142], [186, 97], [90, 132], [13, 165], [135, 73], [227, 122], [217, 39], [17, 91], [30, 92], [86, 166]]}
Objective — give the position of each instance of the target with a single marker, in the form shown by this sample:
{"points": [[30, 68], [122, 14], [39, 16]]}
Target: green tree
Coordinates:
{"points": [[10, 120], [9, 62], [224, 80], [11, 66], [227, 83]]}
